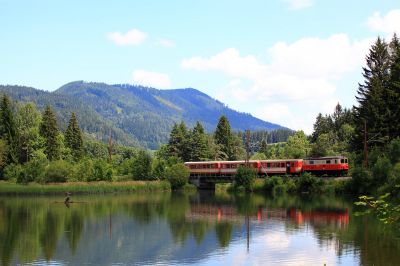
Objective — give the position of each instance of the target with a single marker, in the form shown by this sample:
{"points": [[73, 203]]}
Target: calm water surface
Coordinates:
{"points": [[196, 229]]}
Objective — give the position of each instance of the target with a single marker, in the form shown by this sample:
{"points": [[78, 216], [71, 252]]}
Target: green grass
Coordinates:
{"points": [[83, 187]]}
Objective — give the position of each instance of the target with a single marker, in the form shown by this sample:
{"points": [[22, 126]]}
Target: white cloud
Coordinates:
{"points": [[299, 81], [390, 23], [151, 79], [132, 37], [299, 4], [166, 43]]}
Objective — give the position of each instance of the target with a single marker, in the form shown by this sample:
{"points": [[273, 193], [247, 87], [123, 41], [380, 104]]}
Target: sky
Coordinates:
{"points": [[283, 61]]}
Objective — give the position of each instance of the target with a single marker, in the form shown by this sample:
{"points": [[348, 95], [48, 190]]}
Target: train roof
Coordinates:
{"points": [[326, 157]]}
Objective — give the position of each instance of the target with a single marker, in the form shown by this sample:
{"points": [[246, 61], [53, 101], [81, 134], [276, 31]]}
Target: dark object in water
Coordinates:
{"points": [[67, 198]]}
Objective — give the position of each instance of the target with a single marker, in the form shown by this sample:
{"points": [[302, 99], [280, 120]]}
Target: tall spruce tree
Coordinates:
{"points": [[198, 149], [73, 138], [8, 129], [394, 88], [223, 137], [372, 98], [50, 132], [177, 144]]}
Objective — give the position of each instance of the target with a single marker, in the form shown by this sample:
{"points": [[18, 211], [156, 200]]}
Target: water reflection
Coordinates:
{"points": [[185, 229]]}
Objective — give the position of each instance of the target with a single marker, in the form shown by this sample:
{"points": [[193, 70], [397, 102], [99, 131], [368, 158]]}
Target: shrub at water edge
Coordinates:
{"points": [[177, 175]]}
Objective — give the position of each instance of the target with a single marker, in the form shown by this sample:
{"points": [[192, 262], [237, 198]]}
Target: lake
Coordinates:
{"points": [[204, 228]]}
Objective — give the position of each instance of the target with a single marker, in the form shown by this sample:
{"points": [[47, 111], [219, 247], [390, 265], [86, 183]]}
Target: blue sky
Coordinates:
{"points": [[281, 60]]}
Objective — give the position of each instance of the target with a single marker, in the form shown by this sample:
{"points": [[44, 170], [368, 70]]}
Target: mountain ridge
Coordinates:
{"points": [[135, 114]]}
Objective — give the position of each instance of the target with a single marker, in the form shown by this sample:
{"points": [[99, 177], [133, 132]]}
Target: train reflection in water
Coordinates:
{"points": [[213, 213]]}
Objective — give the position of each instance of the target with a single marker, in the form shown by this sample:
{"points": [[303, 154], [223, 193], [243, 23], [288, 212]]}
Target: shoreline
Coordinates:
{"points": [[100, 187]]}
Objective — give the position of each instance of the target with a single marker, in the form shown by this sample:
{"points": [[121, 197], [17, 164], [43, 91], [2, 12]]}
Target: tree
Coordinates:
{"points": [[50, 132], [223, 137], [322, 125], [141, 166], [28, 123], [394, 89], [263, 147], [178, 140], [73, 138], [297, 146], [372, 98], [177, 175], [8, 130], [198, 149]]}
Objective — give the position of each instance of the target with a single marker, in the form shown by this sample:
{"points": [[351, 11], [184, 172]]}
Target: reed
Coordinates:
{"points": [[83, 187]]}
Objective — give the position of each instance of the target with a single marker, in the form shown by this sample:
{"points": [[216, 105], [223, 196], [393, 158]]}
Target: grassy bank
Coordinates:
{"points": [[9, 188]]}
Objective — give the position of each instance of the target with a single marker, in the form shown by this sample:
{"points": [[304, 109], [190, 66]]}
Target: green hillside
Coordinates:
{"points": [[135, 115]]}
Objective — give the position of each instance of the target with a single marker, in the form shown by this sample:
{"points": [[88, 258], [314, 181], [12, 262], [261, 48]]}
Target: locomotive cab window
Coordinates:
{"points": [[328, 161], [342, 160]]}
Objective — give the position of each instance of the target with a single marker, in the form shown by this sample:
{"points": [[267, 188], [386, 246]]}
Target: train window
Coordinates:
{"points": [[342, 160], [212, 166], [345, 160], [228, 166], [328, 161], [268, 165], [282, 164], [335, 161], [311, 162]]}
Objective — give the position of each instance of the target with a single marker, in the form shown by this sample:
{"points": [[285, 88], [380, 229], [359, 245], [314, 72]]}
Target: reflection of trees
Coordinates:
{"points": [[50, 233], [30, 227], [74, 227], [223, 231]]}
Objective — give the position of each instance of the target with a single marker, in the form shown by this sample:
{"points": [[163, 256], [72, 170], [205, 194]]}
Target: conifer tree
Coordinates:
{"points": [[178, 141], [50, 132], [198, 149], [372, 97], [73, 138], [8, 130], [223, 137], [263, 147], [394, 88]]}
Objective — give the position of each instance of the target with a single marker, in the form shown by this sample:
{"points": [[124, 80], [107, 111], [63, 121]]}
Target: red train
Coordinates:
{"points": [[331, 166]]}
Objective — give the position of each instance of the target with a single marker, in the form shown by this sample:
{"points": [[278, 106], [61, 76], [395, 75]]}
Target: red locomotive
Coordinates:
{"points": [[331, 166]]}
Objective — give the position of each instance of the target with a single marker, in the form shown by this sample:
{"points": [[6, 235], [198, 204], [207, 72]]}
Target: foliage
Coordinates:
{"points": [[3, 156], [73, 138], [386, 212], [8, 129], [245, 177], [177, 175], [28, 120], [141, 167], [57, 171], [101, 171], [297, 145], [309, 183], [50, 132], [223, 137]]}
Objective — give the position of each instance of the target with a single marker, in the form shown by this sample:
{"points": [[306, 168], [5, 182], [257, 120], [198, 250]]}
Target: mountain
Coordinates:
{"points": [[135, 114]]}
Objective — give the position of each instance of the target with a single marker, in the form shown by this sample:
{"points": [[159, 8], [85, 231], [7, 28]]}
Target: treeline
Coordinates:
{"points": [[368, 133], [34, 149], [196, 145]]}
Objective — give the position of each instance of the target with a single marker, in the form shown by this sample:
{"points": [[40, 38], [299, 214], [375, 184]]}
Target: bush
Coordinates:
{"points": [[381, 170], [177, 175], [271, 182], [12, 172], [101, 171], [141, 166], [361, 182], [82, 171], [309, 183], [245, 177], [57, 171]]}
